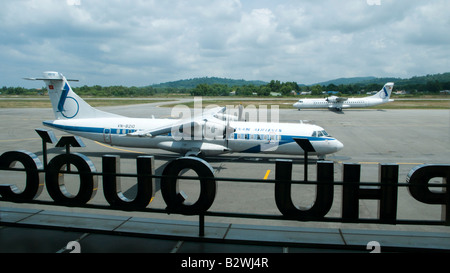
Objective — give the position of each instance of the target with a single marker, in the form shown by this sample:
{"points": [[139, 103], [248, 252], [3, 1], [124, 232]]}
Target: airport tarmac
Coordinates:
{"points": [[404, 137]]}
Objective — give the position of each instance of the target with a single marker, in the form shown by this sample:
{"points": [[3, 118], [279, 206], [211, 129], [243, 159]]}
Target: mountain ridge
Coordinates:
{"points": [[366, 80], [193, 82]]}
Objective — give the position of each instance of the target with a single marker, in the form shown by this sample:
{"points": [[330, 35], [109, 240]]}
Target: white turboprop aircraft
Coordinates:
{"points": [[339, 103], [212, 133]]}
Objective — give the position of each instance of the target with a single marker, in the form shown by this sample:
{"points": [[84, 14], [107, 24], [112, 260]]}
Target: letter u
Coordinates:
{"points": [[324, 192], [145, 182]]}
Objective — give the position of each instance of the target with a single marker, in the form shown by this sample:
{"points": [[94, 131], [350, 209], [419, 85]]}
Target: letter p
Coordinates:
{"points": [[419, 178]]}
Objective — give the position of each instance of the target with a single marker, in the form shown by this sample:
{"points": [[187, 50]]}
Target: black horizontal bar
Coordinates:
{"points": [[225, 179]]}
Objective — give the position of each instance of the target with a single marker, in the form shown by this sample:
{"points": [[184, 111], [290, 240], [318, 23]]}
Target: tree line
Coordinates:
{"points": [[95, 91], [292, 89], [273, 86], [217, 89]]}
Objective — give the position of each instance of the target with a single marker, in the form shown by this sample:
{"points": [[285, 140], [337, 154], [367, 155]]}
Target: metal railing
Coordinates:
{"points": [[353, 190]]}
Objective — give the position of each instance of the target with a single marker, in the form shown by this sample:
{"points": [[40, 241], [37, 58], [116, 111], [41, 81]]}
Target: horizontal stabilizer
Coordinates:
{"points": [[45, 79]]}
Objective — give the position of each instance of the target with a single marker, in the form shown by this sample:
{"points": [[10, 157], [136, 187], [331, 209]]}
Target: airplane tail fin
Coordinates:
{"points": [[385, 92], [66, 103]]}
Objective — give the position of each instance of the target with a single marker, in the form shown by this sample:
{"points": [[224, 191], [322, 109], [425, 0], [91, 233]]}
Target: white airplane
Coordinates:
{"points": [[212, 133], [339, 103]]}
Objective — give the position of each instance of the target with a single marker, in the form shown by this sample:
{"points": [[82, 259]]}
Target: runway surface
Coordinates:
{"points": [[405, 137]]}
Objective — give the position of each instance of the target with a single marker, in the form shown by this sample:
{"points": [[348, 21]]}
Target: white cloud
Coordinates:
{"points": [[143, 42]]}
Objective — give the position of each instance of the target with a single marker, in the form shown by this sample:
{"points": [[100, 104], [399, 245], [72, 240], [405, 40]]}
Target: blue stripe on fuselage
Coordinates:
{"points": [[286, 140], [74, 128]]}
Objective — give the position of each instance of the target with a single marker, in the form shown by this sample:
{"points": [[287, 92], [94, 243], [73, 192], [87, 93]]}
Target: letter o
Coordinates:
{"points": [[88, 181], [33, 187], [169, 185]]}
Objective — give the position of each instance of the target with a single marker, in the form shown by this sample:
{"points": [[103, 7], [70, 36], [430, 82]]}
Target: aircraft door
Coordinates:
{"points": [[107, 135]]}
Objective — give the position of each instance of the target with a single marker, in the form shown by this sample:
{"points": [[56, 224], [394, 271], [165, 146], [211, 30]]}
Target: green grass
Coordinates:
{"points": [[285, 103]]}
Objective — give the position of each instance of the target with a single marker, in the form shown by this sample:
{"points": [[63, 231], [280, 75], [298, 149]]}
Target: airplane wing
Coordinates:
{"points": [[336, 99], [192, 123], [153, 132], [213, 111], [340, 99]]}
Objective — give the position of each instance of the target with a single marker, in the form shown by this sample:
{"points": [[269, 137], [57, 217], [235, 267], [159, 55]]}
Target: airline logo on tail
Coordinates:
{"points": [[63, 98], [72, 104], [384, 94]]}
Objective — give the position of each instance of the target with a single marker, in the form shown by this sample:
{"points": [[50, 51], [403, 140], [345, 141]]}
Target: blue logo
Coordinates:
{"points": [[384, 94], [72, 103]]}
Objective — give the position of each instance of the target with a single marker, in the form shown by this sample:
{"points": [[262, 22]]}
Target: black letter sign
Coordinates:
{"points": [[418, 179], [169, 185], [31, 164], [324, 195], [386, 193], [111, 182], [55, 184]]}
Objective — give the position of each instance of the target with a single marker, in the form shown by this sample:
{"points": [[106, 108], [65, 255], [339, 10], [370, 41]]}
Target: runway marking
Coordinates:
{"points": [[114, 148], [267, 174]]}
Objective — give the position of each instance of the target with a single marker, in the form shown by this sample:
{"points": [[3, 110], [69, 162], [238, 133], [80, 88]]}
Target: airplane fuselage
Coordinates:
{"points": [[339, 103], [349, 103], [248, 137]]}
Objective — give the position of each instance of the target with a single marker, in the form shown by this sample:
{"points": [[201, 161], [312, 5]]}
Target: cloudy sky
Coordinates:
{"points": [[145, 42]]}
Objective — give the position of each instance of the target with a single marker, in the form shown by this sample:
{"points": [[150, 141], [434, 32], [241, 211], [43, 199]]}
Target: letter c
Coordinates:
{"points": [[32, 165]]}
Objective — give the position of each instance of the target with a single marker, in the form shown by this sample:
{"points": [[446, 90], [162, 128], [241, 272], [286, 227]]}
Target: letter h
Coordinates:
{"points": [[386, 193]]}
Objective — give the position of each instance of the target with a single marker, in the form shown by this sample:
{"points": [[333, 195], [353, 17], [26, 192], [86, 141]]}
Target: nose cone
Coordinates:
{"points": [[295, 104], [329, 146], [339, 146]]}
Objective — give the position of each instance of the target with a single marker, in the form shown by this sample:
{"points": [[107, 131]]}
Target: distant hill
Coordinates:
{"points": [[192, 83], [444, 77], [346, 80]]}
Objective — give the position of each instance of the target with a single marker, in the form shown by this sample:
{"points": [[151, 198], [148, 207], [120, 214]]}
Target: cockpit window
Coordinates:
{"points": [[319, 133]]}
